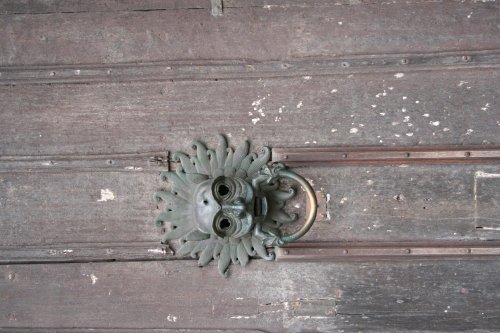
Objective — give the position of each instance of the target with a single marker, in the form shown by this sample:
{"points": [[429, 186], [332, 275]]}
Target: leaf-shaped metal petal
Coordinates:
{"points": [[240, 153], [224, 260], [212, 157], [247, 242], [233, 247], [198, 248], [186, 162], [261, 250], [282, 217], [283, 195], [197, 178], [245, 164], [197, 235], [206, 254], [177, 184], [201, 153], [186, 248], [217, 249], [221, 151], [177, 231], [242, 254], [260, 161], [171, 199]]}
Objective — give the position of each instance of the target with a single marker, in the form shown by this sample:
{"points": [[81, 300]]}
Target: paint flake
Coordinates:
{"points": [[106, 195]]}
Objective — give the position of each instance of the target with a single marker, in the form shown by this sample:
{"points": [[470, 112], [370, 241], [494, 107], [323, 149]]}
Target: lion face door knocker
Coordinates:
{"points": [[228, 206]]}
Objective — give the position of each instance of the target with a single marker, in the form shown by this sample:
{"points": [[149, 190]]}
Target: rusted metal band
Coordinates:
{"points": [[294, 157], [341, 251]]}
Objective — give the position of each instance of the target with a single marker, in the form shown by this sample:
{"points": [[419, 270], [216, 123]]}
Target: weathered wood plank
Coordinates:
{"points": [[399, 203], [274, 297], [67, 208], [9, 7], [438, 107], [258, 33], [92, 217]]}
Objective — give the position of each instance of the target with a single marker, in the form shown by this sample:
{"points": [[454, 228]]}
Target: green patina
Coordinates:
{"points": [[227, 205]]}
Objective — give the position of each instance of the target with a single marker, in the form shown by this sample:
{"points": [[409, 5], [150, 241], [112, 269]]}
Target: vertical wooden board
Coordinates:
{"points": [[274, 297], [80, 207], [255, 32], [407, 108], [487, 201]]}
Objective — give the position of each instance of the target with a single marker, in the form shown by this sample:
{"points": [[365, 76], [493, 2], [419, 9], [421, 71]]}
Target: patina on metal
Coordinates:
{"points": [[227, 205]]}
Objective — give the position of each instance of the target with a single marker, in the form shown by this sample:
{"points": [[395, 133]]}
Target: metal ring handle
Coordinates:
{"points": [[312, 205]]}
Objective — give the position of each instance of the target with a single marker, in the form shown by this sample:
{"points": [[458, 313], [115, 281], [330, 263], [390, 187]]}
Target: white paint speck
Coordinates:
{"points": [[394, 123], [299, 105], [157, 250], [434, 123], [343, 200], [406, 119], [255, 120], [426, 115], [171, 318], [93, 278], [382, 113], [409, 134], [416, 102], [353, 130], [470, 14], [405, 97], [390, 88], [486, 107], [334, 130], [340, 22], [374, 105], [446, 129], [277, 119], [133, 168], [461, 83], [403, 110], [106, 195], [334, 91], [280, 110], [469, 131], [399, 75], [306, 77], [397, 135]]}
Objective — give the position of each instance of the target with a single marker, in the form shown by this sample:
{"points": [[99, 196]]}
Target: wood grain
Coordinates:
{"points": [[274, 297], [263, 32], [438, 107]]}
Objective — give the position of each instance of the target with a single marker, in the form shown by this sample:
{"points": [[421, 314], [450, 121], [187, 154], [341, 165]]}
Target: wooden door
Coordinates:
{"points": [[93, 96]]}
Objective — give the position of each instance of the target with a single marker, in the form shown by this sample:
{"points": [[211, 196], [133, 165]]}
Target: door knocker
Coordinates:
{"points": [[227, 204]]}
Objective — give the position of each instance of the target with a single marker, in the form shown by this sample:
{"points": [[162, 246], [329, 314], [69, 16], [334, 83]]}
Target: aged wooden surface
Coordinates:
{"points": [[273, 297], [93, 94]]}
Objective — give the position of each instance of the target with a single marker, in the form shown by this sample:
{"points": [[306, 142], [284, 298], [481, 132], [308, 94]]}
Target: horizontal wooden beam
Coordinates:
{"points": [[238, 69]]}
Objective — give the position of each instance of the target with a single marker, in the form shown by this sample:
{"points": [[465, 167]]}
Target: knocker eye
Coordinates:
{"points": [[224, 225], [223, 189]]}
